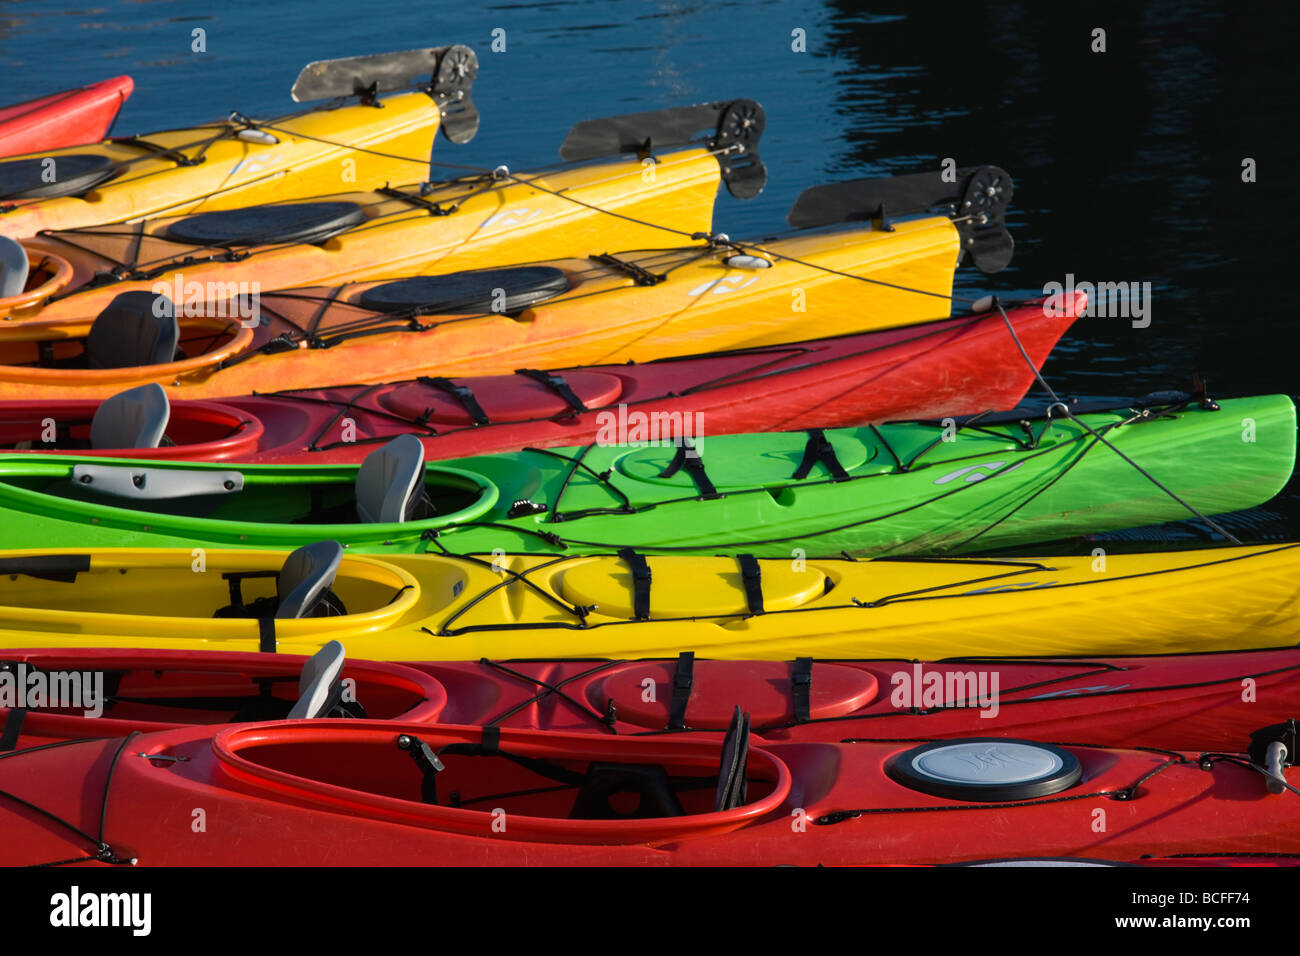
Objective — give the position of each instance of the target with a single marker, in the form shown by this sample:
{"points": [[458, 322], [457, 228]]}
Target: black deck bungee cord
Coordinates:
{"points": [[581, 613], [174, 154], [1211, 758], [1070, 414], [659, 548], [230, 129], [103, 850], [399, 320], [762, 370], [1123, 794], [501, 175], [548, 689]]}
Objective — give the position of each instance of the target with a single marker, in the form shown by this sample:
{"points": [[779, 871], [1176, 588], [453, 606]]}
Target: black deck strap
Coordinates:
{"points": [[683, 680], [688, 458], [556, 384], [462, 393], [819, 449], [9, 738], [638, 274], [432, 208], [800, 688], [640, 583], [266, 635], [751, 576], [172, 155], [491, 740]]}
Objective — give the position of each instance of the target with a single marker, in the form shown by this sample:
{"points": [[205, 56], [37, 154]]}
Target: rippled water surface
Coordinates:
{"points": [[1127, 163]]}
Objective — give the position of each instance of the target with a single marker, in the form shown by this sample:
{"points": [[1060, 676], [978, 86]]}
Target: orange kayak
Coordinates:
{"points": [[474, 221], [362, 144], [628, 306]]}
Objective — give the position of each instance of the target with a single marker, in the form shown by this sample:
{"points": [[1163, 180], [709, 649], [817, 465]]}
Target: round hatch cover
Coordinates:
{"points": [[987, 769], [52, 176], [483, 291], [264, 225]]}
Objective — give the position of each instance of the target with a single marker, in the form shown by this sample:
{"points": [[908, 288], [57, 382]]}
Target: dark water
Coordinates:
{"points": [[1128, 163]]}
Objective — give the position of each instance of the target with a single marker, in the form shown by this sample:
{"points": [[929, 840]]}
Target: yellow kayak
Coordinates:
{"points": [[434, 607], [359, 145], [495, 218]]}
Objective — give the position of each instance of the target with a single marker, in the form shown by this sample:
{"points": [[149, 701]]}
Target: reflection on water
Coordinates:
{"points": [[1128, 162]]}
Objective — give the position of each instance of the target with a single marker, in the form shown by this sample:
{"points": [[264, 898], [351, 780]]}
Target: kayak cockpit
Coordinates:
{"points": [[145, 691], [136, 331], [390, 495], [317, 580], [139, 422], [520, 785], [26, 281]]}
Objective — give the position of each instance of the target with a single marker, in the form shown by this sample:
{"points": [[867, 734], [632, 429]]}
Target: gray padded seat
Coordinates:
{"points": [[136, 418], [316, 685], [137, 328], [390, 482], [13, 267], [305, 577]]}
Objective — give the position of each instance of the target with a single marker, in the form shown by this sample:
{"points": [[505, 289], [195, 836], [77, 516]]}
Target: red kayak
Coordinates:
{"points": [[70, 118], [364, 793], [1179, 702], [951, 367]]}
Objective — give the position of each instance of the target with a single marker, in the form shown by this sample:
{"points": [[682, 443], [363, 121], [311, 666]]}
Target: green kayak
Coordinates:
{"points": [[910, 488]]}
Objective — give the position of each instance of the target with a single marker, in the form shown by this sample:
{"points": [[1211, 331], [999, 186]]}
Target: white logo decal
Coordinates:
{"points": [[251, 165], [725, 284], [973, 473], [510, 217]]}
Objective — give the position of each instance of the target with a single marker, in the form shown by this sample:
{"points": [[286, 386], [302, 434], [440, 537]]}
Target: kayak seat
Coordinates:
{"points": [[302, 587], [305, 578], [319, 682], [505, 291], [137, 328], [390, 483], [733, 777], [49, 177], [304, 222], [136, 418], [606, 780], [320, 692], [13, 267]]}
